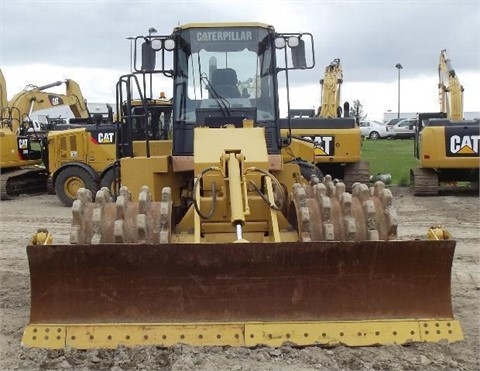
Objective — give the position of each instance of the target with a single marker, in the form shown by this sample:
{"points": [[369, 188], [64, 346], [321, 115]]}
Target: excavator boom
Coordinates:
{"points": [[331, 90], [34, 98], [3, 92], [450, 89]]}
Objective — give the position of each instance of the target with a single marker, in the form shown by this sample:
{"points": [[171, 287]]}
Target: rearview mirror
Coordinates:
{"points": [[299, 59], [295, 51], [148, 57]]}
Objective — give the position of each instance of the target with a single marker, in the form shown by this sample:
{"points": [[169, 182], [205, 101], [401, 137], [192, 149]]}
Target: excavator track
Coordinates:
{"points": [[22, 181], [357, 172], [424, 182], [348, 280]]}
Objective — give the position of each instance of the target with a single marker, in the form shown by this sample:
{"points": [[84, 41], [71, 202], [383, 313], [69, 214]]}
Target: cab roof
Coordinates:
{"points": [[224, 25]]}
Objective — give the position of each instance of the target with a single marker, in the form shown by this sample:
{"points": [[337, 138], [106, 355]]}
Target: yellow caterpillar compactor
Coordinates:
{"points": [[223, 234]]}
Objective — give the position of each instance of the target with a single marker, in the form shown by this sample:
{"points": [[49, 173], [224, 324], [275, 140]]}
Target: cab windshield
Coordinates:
{"points": [[224, 73]]}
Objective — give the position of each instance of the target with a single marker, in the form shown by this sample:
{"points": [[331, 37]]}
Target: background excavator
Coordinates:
{"points": [[17, 113], [446, 145], [338, 139], [59, 160], [215, 237], [20, 155]]}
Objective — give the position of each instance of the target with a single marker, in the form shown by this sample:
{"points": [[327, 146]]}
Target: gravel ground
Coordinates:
{"points": [[459, 214]]}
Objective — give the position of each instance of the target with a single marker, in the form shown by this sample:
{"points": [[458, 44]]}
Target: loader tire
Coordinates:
{"points": [[108, 180], [70, 180]]}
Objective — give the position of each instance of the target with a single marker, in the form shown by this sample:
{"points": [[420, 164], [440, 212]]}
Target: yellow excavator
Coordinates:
{"points": [[58, 160], [215, 237], [337, 139], [22, 152], [20, 156], [446, 145]]}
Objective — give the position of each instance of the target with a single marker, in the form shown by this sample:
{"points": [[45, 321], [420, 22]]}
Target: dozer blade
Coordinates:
{"points": [[352, 293]]}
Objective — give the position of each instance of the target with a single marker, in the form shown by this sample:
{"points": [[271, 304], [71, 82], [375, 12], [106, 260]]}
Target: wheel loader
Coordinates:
{"points": [[225, 234]]}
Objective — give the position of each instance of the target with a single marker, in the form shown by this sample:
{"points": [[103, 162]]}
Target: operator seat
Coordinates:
{"points": [[224, 81]]}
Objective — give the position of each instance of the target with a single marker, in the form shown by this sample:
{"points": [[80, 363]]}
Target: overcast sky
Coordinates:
{"points": [[48, 40]]}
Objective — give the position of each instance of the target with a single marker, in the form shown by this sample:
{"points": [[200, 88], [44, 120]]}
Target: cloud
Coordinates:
{"points": [[97, 84], [369, 36], [86, 40]]}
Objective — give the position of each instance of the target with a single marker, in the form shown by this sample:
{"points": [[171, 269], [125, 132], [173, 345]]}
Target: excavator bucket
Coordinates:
{"points": [[305, 293]]}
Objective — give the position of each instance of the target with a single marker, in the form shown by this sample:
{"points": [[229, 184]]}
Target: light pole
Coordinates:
{"points": [[131, 38], [399, 67], [151, 30]]}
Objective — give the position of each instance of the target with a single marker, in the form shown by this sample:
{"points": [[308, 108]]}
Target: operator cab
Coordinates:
{"points": [[226, 75], [222, 75]]}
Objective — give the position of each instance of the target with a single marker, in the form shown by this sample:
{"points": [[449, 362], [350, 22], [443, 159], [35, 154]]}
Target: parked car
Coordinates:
{"points": [[404, 129], [373, 129], [395, 120]]}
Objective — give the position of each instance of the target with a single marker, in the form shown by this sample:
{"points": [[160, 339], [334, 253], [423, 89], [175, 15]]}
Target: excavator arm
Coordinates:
{"points": [[3, 91], [34, 98], [449, 89], [75, 96], [331, 84]]}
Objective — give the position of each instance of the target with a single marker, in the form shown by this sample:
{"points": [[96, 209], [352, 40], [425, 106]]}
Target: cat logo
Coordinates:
{"points": [[324, 146], [106, 138], [22, 143], [55, 100], [229, 36], [463, 145]]}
